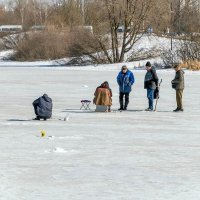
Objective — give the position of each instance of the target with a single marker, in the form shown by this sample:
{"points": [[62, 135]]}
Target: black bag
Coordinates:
{"points": [[174, 85], [156, 93]]}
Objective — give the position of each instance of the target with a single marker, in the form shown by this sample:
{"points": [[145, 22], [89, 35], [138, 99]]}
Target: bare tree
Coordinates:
{"points": [[128, 14], [190, 49], [26, 12], [65, 13], [20, 8], [39, 10], [160, 24], [185, 16]]}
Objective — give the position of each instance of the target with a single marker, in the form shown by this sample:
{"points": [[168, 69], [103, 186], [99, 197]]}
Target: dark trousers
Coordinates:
{"points": [[35, 109], [121, 99], [37, 115], [179, 95]]}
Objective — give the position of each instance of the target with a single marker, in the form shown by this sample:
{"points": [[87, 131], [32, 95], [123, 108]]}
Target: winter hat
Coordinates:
{"points": [[175, 66], [45, 95], [148, 64], [106, 84], [124, 67]]}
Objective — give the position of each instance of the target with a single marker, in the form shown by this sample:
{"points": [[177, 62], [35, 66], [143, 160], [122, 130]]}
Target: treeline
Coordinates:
{"points": [[176, 15], [103, 43]]}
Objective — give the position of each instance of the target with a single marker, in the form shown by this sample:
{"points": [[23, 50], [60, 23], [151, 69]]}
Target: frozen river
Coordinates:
{"points": [[133, 155]]}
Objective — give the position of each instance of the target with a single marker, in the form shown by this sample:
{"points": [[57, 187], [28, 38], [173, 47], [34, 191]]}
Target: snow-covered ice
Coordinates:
{"points": [[132, 155]]}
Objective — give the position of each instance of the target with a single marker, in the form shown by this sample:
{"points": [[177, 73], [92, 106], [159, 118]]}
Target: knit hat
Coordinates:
{"points": [[148, 64], [105, 84], [124, 67], [175, 65]]}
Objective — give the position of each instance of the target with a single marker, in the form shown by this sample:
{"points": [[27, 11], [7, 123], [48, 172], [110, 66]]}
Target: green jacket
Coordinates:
{"points": [[178, 81]]}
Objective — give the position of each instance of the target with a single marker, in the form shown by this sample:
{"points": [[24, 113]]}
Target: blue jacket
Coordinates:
{"points": [[125, 81]]}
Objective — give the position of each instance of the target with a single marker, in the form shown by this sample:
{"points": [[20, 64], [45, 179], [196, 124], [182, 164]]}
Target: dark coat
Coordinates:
{"points": [[178, 81], [125, 81], [43, 106], [151, 79]]}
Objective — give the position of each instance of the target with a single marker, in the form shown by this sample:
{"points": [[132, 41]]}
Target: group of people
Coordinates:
{"points": [[125, 79]]}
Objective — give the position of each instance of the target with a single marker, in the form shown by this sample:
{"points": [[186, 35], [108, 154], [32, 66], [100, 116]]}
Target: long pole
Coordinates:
{"points": [[157, 95]]}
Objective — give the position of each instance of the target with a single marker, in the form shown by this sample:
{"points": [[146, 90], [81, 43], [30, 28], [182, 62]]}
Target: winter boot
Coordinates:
{"points": [[37, 118], [121, 105], [125, 106], [148, 109], [178, 110]]}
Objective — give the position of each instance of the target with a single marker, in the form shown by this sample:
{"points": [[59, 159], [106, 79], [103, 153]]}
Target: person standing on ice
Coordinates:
{"points": [[178, 85], [125, 80], [43, 107], [150, 84]]}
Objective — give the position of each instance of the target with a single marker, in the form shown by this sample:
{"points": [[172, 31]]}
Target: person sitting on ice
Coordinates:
{"points": [[103, 98], [43, 107]]}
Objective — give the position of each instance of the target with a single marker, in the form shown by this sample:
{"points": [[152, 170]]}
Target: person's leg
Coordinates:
{"points": [[150, 96], [36, 113], [126, 101], [179, 94], [35, 109], [121, 96]]}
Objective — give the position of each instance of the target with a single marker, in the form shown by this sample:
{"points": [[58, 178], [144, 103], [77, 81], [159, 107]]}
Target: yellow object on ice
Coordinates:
{"points": [[43, 133]]}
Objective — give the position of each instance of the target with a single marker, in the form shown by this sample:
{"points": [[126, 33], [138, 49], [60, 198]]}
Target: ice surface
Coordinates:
{"points": [[133, 155]]}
